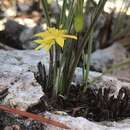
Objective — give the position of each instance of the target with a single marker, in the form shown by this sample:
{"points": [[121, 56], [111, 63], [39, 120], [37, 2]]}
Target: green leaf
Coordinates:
{"points": [[79, 23]]}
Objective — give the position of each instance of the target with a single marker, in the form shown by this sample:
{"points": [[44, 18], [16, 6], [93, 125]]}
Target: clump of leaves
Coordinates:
{"points": [[65, 55], [94, 104], [102, 106]]}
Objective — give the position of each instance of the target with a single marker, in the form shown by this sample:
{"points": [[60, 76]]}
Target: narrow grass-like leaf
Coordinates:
{"points": [[85, 39], [90, 42], [63, 14], [70, 16], [45, 11]]}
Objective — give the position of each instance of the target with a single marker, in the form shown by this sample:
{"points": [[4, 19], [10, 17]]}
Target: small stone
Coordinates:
{"points": [[13, 127]]}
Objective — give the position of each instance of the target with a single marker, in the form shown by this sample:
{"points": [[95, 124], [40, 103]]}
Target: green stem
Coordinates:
{"points": [[70, 16], [83, 68], [56, 84], [88, 60], [46, 14], [45, 11], [63, 15], [85, 40]]}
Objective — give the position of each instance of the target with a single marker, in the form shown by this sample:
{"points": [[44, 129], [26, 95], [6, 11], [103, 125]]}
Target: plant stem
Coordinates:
{"points": [[45, 11], [63, 15], [85, 40], [56, 84], [70, 16], [50, 75], [88, 60]]}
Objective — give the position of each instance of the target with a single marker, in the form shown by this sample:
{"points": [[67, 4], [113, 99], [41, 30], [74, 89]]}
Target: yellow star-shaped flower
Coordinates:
{"points": [[52, 36]]}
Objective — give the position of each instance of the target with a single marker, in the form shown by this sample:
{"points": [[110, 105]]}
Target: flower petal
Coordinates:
{"points": [[52, 35], [39, 47], [46, 44], [39, 41], [60, 41], [70, 36], [47, 47]]}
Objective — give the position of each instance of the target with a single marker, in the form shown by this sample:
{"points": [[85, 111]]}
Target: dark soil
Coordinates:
{"points": [[9, 120]]}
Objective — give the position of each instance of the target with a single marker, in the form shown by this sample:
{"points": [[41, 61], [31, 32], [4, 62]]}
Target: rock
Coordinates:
{"points": [[105, 58], [24, 6], [75, 123], [11, 12], [80, 123], [23, 92], [16, 73], [14, 127], [27, 37], [104, 81], [19, 33], [17, 62], [28, 22], [10, 34]]}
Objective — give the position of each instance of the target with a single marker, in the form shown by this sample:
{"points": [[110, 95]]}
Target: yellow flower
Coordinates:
{"points": [[52, 36]]}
